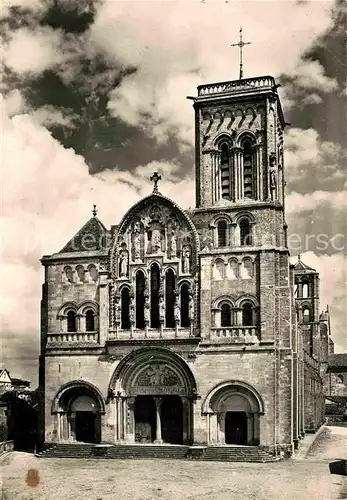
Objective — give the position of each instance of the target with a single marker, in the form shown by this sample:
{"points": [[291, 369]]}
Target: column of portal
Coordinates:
{"points": [[130, 420], [115, 419], [186, 419], [59, 433], [158, 438], [124, 417]]}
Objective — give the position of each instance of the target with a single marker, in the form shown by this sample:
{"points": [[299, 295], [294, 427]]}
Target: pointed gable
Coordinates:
{"points": [[5, 376], [301, 267], [92, 236]]}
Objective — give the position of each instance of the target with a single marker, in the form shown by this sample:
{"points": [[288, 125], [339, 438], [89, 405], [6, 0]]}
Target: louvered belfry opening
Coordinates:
{"points": [[225, 171]]}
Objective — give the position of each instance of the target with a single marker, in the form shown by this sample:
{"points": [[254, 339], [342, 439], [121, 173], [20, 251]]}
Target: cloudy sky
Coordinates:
{"points": [[94, 99]]}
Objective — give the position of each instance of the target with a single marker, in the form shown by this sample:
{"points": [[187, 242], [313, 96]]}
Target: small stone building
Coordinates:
{"points": [[180, 326]]}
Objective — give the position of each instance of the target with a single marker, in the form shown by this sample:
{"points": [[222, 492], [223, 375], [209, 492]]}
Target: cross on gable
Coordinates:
{"points": [[155, 178]]}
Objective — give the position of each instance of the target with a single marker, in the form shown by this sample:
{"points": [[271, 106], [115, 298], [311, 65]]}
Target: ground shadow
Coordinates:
{"points": [[338, 467]]}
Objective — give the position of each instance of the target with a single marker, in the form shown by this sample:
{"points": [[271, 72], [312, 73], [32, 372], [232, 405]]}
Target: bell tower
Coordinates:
{"points": [[239, 143]]}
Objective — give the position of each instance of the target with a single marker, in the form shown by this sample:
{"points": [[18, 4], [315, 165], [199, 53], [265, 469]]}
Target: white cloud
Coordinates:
{"points": [[310, 75], [15, 102], [32, 52], [318, 221], [49, 115], [178, 45], [297, 202], [311, 161]]}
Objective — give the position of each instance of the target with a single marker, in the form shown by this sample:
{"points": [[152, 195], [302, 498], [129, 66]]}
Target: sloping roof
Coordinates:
{"points": [[21, 382], [92, 236], [341, 400], [337, 363], [302, 267]]}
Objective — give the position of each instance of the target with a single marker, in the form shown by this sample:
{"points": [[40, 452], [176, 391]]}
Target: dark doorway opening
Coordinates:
{"points": [[172, 420], [236, 427], [85, 426], [145, 419]]}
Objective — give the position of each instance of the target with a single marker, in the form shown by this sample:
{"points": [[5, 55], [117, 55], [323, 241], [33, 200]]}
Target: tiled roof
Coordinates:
{"points": [[302, 267], [337, 362], [92, 236]]}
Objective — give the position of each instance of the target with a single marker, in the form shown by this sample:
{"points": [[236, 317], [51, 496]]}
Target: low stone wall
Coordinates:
{"points": [[6, 446]]}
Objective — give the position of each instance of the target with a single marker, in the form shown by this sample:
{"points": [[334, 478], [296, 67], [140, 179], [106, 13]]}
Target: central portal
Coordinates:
{"points": [[165, 411], [153, 391]]}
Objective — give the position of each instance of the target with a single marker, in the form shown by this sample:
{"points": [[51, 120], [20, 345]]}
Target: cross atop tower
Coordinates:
{"points": [[240, 44], [155, 178], [94, 211]]}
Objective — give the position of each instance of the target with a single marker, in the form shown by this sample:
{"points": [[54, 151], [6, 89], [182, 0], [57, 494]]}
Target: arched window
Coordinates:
{"points": [[233, 269], [245, 232], [222, 233], [306, 314], [225, 171], [218, 270], [305, 290], [247, 268], [90, 321], [68, 274], [80, 273], [71, 321], [170, 298], [184, 305], [140, 300], [155, 284], [247, 314], [248, 170], [226, 315], [93, 272], [125, 305]]}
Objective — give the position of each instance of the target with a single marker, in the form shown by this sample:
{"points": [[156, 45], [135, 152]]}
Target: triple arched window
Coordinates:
{"points": [[233, 269]]}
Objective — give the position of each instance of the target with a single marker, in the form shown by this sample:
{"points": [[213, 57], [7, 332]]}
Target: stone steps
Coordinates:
{"points": [[211, 453], [237, 454]]}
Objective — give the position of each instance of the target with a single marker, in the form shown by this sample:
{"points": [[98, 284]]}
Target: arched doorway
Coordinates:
{"points": [[233, 412], [83, 418], [153, 392], [78, 407]]}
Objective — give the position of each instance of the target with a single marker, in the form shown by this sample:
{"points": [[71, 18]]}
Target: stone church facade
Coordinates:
{"points": [[181, 326]]}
